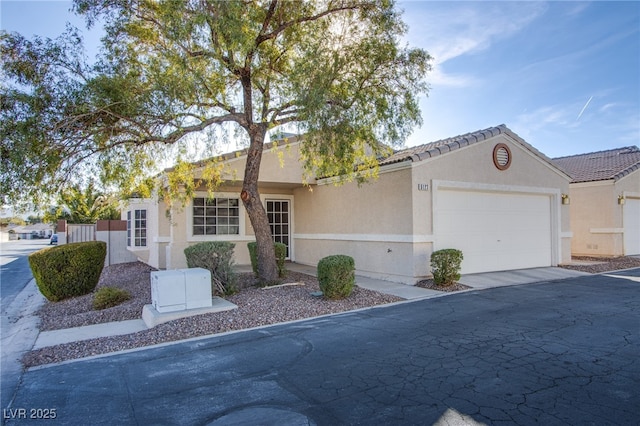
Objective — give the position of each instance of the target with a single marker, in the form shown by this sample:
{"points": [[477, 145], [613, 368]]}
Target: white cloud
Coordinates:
{"points": [[449, 30], [543, 117], [438, 78]]}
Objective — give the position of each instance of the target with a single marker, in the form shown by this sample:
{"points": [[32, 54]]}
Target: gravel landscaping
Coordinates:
{"points": [[596, 265], [256, 307]]}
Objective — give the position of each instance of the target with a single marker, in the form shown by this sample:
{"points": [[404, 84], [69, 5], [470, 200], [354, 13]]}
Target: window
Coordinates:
{"points": [[217, 216], [137, 228]]}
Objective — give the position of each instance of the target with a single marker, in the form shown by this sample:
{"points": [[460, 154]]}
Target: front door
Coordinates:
{"points": [[278, 212]]}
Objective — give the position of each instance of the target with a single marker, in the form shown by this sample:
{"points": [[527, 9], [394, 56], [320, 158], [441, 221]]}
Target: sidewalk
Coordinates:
{"points": [[19, 332]]}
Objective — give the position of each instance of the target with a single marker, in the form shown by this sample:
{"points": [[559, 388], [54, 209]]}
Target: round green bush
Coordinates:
{"points": [[108, 297], [68, 270], [445, 266], [336, 276]]}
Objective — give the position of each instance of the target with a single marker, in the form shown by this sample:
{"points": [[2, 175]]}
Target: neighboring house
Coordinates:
{"points": [[31, 232], [487, 193], [605, 201]]}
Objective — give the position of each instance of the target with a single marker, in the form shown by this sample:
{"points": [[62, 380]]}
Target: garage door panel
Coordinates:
{"points": [[631, 218], [495, 231]]}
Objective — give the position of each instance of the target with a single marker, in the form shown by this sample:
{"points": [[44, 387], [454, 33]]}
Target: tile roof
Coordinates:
{"points": [[602, 165], [433, 149]]}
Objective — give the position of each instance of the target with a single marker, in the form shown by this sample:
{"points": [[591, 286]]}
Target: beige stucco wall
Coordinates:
{"points": [[372, 223], [597, 217], [387, 225]]}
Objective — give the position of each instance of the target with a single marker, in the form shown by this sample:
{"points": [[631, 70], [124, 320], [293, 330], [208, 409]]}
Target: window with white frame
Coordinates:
{"points": [[216, 216], [137, 228]]}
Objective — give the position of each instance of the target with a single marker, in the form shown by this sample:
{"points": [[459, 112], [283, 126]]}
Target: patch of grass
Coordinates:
{"points": [[108, 297]]}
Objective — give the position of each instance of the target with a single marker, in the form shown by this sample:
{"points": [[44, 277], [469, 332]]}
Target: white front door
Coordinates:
{"points": [[279, 214], [495, 231]]}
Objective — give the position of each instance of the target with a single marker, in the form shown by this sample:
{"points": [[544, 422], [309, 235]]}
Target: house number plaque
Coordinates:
{"points": [[423, 187]]}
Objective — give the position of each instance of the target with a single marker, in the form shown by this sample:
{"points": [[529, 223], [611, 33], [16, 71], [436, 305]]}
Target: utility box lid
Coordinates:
{"points": [[181, 289], [197, 288], [168, 291]]}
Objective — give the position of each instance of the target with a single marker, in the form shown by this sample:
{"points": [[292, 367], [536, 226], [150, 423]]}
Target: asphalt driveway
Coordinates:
{"points": [[564, 352]]}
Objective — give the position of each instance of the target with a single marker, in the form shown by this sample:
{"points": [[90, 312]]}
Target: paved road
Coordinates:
{"points": [[17, 302], [14, 267], [563, 352]]}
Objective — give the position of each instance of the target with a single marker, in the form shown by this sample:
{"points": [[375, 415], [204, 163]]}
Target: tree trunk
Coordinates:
{"points": [[267, 266]]}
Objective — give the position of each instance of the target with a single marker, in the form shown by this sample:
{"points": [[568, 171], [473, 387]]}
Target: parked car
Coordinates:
{"points": [[54, 239]]}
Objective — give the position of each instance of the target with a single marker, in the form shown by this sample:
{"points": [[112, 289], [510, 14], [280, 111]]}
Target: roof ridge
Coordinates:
{"points": [[501, 128], [633, 148]]}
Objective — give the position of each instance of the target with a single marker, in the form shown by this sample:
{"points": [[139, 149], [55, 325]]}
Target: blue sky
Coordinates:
{"points": [[565, 76]]}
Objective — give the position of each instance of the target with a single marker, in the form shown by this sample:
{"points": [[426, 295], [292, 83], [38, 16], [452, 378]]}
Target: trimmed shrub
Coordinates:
{"points": [[445, 266], [217, 257], [108, 297], [336, 275], [281, 254], [69, 270]]}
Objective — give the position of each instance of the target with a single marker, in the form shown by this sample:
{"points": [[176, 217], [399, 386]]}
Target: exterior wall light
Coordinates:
{"points": [[621, 199], [565, 199]]}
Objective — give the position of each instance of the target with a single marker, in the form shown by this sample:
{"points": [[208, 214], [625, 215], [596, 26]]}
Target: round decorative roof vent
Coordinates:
{"points": [[502, 156]]}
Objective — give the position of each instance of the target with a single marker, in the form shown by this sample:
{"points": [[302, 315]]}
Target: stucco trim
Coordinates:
{"points": [[591, 183], [566, 234], [607, 230], [383, 238], [489, 187]]}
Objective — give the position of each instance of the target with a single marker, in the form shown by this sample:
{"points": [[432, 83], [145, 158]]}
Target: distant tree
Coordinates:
{"points": [[31, 219], [84, 205], [55, 213], [175, 69], [5, 221]]}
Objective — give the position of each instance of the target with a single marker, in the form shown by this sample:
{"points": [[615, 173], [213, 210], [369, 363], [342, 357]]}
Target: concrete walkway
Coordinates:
{"points": [[521, 276]]}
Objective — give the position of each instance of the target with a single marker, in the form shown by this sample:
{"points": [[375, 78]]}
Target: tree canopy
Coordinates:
{"points": [[171, 71], [86, 204]]}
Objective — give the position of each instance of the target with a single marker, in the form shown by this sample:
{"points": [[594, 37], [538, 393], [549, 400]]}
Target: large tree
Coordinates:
{"points": [[174, 69]]}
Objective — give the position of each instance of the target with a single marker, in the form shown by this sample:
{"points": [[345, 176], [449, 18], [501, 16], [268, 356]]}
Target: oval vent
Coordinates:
{"points": [[502, 156]]}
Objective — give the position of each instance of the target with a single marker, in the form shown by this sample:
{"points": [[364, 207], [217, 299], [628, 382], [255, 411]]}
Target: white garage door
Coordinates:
{"points": [[495, 231], [631, 218]]}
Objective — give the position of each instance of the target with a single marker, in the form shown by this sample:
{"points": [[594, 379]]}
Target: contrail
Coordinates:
{"points": [[583, 108]]}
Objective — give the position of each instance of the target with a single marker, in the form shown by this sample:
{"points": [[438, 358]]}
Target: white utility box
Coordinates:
{"points": [[197, 287], [180, 289], [168, 291]]}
